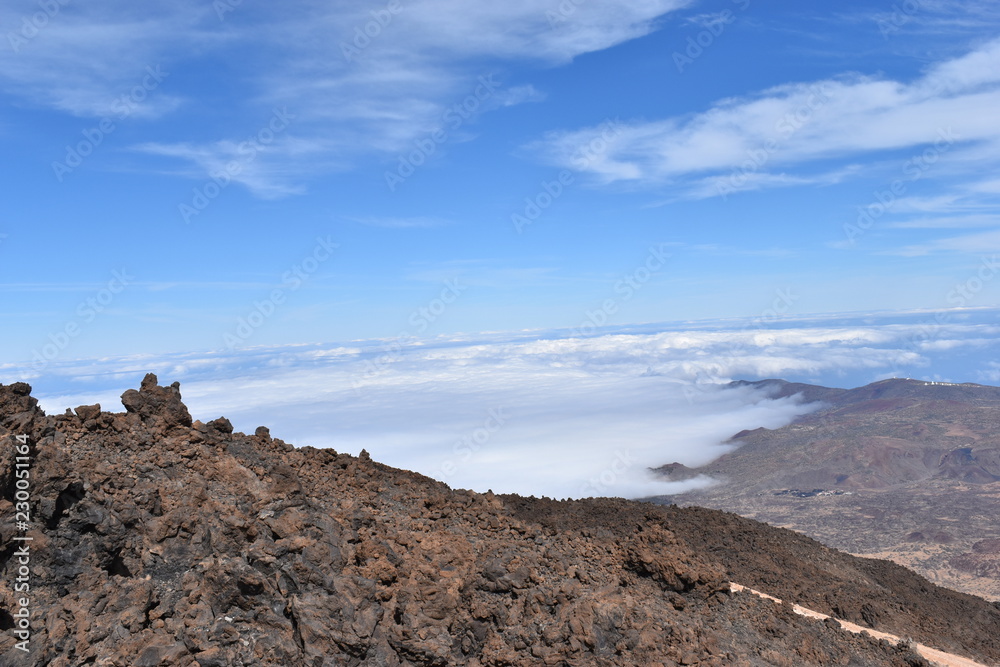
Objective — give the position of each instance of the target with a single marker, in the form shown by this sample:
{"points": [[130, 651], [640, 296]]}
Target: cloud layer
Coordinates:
{"points": [[539, 413]]}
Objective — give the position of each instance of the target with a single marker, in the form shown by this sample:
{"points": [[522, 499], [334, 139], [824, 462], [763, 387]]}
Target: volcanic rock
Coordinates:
{"points": [[156, 405], [156, 541]]}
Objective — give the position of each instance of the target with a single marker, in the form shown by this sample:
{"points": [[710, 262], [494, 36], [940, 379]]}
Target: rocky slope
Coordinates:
{"points": [[156, 540], [898, 469]]}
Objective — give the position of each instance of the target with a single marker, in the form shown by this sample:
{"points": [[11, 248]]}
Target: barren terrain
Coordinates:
{"points": [[899, 469], [160, 541]]}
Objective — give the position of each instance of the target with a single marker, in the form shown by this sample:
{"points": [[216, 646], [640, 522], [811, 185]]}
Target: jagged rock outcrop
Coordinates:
{"points": [[158, 540], [156, 406]]}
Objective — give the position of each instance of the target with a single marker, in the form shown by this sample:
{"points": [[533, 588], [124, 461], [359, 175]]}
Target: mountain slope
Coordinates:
{"points": [[157, 540], [899, 468]]}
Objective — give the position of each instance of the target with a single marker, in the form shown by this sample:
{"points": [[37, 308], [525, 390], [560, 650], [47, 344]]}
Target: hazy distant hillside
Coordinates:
{"points": [[903, 469]]}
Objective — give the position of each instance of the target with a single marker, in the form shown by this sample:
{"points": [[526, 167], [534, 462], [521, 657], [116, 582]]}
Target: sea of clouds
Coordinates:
{"points": [[540, 413]]}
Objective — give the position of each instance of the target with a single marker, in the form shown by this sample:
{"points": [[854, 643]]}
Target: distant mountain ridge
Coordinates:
{"points": [[893, 388], [905, 447], [903, 457]]}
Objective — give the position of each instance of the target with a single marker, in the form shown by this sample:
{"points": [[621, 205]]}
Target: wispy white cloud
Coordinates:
{"points": [[950, 222], [519, 95], [384, 92], [270, 171], [710, 19], [982, 242], [991, 373], [85, 56], [734, 182], [991, 186], [968, 204], [362, 81], [933, 18], [521, 29], [800, 125]]}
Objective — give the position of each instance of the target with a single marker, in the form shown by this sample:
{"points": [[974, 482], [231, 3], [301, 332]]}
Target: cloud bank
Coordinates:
{"points": [[540, 413]]}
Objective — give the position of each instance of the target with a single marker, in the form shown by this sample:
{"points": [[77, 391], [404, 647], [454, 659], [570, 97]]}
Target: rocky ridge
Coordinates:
{"points": [[160, 540]]}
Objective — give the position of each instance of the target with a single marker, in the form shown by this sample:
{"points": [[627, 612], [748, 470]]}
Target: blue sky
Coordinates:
{"points": [[212, 179]]}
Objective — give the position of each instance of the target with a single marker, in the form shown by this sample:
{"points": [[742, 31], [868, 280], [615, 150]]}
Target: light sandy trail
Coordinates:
{"points": [[937, 657]]}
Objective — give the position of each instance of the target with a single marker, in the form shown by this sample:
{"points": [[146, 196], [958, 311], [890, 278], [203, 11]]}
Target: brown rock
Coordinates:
{"points": [[222, 425], [157, 405], [87, 412], [162, 542]]}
